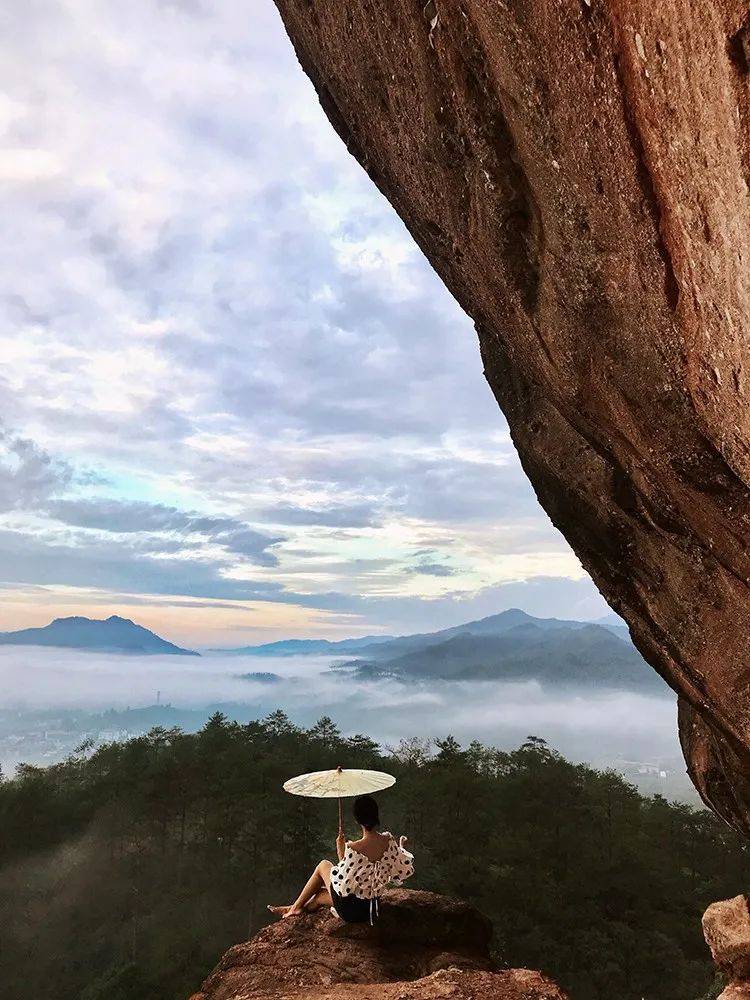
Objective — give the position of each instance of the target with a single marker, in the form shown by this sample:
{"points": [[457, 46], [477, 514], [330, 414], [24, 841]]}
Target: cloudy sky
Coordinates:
{"points": [[236, 402]]}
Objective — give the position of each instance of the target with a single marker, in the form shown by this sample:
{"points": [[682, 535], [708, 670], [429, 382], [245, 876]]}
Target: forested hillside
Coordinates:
{"points": [[587, 657], [126, 872]]}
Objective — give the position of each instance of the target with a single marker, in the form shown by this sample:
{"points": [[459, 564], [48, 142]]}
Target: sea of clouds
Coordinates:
{"points": [[584, 726]]}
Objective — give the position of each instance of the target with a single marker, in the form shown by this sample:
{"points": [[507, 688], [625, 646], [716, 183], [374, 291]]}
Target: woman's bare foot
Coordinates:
{"points": [[285, 911]]}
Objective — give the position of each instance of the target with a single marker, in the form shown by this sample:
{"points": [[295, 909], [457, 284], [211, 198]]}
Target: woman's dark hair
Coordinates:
{"points": [[366, 811]]}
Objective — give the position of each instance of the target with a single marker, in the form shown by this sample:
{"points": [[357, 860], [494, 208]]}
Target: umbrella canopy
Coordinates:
{"points": [[341, 782]]}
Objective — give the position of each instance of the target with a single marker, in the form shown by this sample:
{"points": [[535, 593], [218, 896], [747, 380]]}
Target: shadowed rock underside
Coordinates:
{"points": [[576, 172]]}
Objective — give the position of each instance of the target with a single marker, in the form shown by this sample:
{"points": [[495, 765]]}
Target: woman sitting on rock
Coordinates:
{"points": [[352, 887]]}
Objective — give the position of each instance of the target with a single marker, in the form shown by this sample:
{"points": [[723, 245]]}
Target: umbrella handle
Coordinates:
{"points": [[341, 816]]}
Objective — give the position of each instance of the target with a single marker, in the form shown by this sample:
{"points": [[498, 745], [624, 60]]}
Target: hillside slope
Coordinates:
{"points": [[589, 656]]}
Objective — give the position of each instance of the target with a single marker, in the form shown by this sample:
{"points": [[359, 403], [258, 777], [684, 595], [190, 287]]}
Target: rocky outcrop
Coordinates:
{"points": [[726, 926], [423, 946], [576, 172]]}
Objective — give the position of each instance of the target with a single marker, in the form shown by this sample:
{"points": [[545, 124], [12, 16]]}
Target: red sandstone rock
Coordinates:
{"points": [[576, 172], [726, 927], [424, 946], [516, 984], [736, 991]]}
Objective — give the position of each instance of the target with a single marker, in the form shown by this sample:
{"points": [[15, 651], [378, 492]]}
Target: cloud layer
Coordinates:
{"points": [[582, 725]]}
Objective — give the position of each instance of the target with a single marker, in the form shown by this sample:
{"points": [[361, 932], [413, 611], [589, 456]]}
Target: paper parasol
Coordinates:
{"points": [[339, 783]]}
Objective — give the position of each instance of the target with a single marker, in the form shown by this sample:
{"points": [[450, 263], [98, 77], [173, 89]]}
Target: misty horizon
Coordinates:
{"points": [[42, 622], [583, 725]]}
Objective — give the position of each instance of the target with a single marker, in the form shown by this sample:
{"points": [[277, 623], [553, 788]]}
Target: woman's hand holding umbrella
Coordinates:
{"points": [[340, 844]]}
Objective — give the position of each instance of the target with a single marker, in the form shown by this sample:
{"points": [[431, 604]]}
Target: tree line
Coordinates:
{"points": [[127, 870]]}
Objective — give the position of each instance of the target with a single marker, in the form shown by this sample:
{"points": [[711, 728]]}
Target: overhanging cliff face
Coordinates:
{"points": [[576, 172]]}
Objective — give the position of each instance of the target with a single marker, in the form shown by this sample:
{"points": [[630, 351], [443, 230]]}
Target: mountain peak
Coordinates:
{"points": [[112, 635], [510, 614]]}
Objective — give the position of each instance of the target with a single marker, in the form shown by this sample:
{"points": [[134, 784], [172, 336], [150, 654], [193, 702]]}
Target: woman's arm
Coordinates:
{"points": [[405, 858], [403, 865], [341, 845]]}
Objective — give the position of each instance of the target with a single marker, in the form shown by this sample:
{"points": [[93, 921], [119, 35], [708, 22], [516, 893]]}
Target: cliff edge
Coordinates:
{"points": [[424, 946]]}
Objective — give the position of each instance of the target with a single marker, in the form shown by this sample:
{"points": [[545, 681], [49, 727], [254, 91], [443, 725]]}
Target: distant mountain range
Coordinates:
{"points": [[590, 657], [389, 645], [512, 646], [307, 647], [108, 635]]}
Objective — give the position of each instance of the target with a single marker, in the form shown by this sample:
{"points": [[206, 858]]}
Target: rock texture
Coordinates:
{"points": [[726, 926], [735, 991], [424, 946], [576, 172]]}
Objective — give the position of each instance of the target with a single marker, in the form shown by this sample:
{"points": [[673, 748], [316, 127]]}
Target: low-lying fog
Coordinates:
{"points": [[596, 727]]}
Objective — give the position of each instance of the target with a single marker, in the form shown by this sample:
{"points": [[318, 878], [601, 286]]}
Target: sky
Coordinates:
{"points": [[237, 404]]}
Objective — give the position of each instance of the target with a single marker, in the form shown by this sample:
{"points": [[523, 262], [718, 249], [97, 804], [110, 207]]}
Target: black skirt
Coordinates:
{"points": [[355, 910]]}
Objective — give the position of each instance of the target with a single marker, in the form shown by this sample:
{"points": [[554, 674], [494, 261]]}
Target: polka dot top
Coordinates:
{"points": [[357, 875]]}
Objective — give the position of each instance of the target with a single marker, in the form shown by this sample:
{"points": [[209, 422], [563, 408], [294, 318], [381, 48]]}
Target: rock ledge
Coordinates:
{"points": [[424, 946]]}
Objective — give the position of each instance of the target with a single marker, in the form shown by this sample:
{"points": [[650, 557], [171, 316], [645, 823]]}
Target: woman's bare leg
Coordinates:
{"points": [[319, 901], [323, 896], [319, 881]]}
